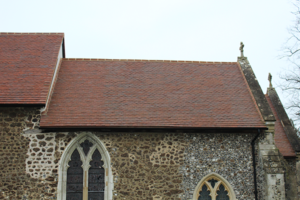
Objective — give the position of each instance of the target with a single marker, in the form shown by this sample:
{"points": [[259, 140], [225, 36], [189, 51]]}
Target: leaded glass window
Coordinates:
{"points": [[85, 174], [222, 193], [96, 177], [86, 145], [75, 177], [213, 188], [204, 194]]}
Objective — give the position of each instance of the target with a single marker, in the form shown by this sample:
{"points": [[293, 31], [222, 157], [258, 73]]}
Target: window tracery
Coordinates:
{"points": [[213, 187], [84, 170]]}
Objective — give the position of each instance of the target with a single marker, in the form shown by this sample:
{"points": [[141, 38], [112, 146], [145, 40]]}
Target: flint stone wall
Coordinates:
{"points": [[145, 165], [157, 164], [15, 183], [229, 155], [260, 171]]}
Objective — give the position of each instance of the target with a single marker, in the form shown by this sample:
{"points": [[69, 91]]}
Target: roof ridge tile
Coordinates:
{"points": [[142, 60], [29, 33]]}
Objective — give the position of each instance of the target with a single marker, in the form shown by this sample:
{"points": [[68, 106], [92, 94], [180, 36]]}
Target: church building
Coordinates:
{"points": [[115, 129]]}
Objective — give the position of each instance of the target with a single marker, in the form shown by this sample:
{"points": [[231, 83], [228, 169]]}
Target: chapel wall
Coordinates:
{"points": [[277, 176], [227, 154], [15, 183], [145, 165], [291, 179], [154, 165], [260, 171], [298, 174]]}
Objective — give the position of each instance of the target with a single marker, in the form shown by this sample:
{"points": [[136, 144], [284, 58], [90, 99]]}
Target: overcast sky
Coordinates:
{"points": [[199, 30]]}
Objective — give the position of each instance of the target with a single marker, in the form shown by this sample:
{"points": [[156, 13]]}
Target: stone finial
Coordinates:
{"points": [[270, 80], [242, 49]]}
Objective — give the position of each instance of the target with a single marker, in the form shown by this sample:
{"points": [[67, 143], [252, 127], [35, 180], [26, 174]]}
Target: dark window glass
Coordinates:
{"points": [[204, 194], [212, 182], [96, 178], [86, 146], [75, 177], [222, 193]]}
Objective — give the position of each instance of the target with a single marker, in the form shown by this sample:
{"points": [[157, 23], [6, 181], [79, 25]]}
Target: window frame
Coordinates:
{"points": [[213, 191], [66, 157]]}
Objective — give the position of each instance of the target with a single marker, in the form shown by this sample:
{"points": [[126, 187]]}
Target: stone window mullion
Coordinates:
{"points": [[85, 186]]}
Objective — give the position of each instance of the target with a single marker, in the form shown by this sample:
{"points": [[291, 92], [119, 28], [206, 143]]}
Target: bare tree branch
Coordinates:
{"points": [[291, 78]]}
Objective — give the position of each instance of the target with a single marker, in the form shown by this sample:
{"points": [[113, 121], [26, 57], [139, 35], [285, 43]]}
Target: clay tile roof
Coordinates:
{"points": [[281, 139], [114, 93], [27, 64]]}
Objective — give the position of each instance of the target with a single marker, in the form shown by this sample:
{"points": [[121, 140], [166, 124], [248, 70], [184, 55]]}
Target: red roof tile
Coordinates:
{"points": [[112, 93], [27, 64], [281, 140]]}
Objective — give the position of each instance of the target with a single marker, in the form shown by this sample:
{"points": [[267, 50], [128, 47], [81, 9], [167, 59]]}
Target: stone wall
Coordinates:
{"points": [[44, 153], [149, 165], [276, 175], [145, 165], [229, 155], [15, 183], [298, 175], [291, 179], [260, 172]]}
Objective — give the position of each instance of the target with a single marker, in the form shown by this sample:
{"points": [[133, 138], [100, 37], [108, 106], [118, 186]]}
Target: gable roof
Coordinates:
{"points": [[256, 90], [286, 138], [130, 93], [280, 138], [27, 64]]}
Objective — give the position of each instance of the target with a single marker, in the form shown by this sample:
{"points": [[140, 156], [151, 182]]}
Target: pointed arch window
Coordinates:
{"points": [[84, 170], [213, 187]]}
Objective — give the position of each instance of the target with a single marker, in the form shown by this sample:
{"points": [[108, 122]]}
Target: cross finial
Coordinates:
{"points": [[270, 80], [242, 49]]}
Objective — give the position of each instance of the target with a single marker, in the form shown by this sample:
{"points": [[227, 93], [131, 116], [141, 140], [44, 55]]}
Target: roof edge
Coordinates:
{"points": [[52, 87], [39, 33], [256, 90], [129, 129], [251, 94], [60, 56], [284, 119], [149, 127], [144, 60], [22, 105]]}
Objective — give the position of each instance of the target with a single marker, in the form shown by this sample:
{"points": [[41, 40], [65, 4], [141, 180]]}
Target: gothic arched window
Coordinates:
{"points": [[213, 187], [84, 170]]}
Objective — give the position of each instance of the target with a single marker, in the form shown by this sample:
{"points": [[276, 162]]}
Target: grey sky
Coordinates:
{"points": [[161, 29]]}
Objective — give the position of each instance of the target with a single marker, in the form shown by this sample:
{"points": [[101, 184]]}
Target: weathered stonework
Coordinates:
{"points": [[273, 168], [290, 178], [44, 153], [298, 175], [277, 176], [228, 155], [145, 165], [260, 172], [15, 183]]}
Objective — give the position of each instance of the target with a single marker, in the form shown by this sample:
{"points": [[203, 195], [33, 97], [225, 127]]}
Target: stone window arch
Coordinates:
{"points": [[85, 155], [213, 187]]}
